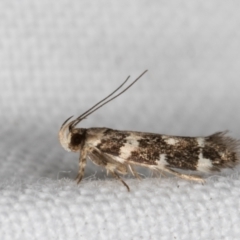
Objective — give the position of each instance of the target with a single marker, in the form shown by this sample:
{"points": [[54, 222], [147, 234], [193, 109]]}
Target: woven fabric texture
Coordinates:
{"points": [[57, 59]]}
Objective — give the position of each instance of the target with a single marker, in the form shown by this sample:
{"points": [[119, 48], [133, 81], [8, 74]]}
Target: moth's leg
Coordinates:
{"points": [[185, 176], [118, 177], [133, 172], [82, 165]]}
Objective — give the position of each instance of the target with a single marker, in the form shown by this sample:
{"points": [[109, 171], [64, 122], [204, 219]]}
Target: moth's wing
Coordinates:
{"points": [[151, 151], [155, 151], [170, 153]]}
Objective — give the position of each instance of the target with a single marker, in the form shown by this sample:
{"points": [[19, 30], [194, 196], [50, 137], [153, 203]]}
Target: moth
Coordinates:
{"points": [[119, 151]]}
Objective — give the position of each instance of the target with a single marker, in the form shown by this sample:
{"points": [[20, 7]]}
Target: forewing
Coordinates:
{"points": [[202, 154]]}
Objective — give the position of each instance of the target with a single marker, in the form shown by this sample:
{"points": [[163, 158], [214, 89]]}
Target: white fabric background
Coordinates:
{"points": [[58, 58]]}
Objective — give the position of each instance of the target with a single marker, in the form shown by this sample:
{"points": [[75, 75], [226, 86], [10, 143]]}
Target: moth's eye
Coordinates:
{"points": [[76, 139]]}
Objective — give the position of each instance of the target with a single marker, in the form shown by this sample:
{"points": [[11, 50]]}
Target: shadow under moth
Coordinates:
{"points": [[119, 151]]}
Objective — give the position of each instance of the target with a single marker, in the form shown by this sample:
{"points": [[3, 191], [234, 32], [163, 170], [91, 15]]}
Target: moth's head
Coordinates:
{"points": [[70, 137]]}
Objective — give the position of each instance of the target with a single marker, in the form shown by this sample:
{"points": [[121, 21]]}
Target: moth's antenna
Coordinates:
{"points": [[66, 121], [88, 112], [81, 116]]}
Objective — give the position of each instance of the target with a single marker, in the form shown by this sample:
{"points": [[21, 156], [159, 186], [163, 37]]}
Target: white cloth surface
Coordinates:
{"points": [[58, 58]]}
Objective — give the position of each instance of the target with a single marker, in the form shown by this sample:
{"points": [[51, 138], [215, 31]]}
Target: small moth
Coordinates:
{"points": [[119, 151]]}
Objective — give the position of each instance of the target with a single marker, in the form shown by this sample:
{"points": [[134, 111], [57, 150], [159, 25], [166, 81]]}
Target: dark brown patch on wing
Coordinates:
{"points": [[184, 154], [112, 142], [210, 152], [221, 149], [148, 151]]}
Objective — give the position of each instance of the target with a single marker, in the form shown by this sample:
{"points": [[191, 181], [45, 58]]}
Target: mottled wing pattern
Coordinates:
{"points": [[157, 151]]}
